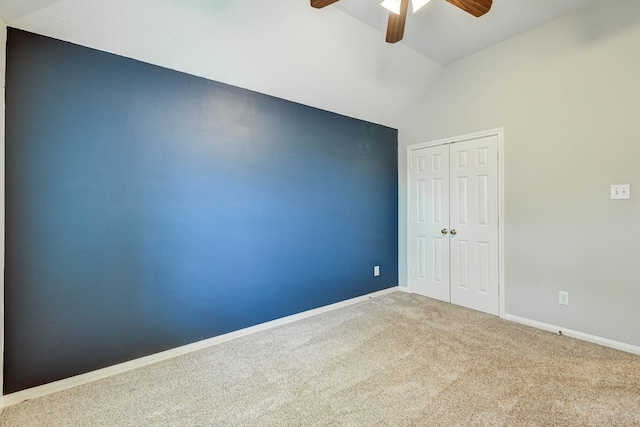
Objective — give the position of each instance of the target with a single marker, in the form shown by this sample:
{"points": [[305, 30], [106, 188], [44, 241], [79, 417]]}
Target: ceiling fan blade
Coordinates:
{"points": [[395, 27], [475, 7], [319, 4]]}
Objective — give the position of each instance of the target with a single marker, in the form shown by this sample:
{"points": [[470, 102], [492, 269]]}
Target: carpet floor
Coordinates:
{"points": [[396, 360]]}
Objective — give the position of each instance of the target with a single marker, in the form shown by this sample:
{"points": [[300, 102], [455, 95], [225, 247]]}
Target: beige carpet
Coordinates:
{"points": [[398, 360]]}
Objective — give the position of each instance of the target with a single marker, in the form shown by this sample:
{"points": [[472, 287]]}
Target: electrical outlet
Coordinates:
{"points": [[620, 191], [376, 270], [563, 298]]}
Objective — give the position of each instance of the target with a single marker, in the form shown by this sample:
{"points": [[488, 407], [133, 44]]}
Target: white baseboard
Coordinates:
{"points": [[43, 390], [575, 334]]}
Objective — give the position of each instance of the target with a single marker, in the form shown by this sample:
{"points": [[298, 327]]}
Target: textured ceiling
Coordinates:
{"points": [[439, 31], [14, 9]]}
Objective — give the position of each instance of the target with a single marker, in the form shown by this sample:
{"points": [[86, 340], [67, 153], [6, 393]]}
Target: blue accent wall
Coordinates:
{"points": [[148, 209]]}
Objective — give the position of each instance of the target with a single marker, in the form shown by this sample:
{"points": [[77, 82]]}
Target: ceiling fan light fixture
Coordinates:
{"points": [[392, 6], [417, 4]]}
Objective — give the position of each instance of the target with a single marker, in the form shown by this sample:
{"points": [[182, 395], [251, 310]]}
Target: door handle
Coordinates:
{"points": [[454, 232], [444, 231]]}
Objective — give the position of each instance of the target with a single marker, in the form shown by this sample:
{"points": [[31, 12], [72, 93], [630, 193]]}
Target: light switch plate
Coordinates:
{"points": [[620, 191]]}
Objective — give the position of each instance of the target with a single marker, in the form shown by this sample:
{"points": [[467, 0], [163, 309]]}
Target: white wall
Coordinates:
{"points": [[323, 58], [568, 96]]}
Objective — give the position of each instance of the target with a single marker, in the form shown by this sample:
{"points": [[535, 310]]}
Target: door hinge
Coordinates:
{"points": [[410, 271]]}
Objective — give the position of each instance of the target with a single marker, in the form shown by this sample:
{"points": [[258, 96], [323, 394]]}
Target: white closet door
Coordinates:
{"points": [[474, 224], [453, 224], [429, 219]]}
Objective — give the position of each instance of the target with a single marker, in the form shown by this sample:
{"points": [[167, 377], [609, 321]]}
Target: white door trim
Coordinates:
{"points": [[499, 133]]}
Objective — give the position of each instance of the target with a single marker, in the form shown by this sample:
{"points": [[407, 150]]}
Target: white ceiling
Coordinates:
{"points": [[444, 33], [14, 9], [323, 58], [439, 31]]}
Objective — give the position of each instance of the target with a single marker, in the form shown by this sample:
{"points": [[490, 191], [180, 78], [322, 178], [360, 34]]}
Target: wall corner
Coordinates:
{"points": [[3, 56]]}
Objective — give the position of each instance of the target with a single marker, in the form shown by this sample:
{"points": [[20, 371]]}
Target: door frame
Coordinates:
{"points": [[499, 133]]}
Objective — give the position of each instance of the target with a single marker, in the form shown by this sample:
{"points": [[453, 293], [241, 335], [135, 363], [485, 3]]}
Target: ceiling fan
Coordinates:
{"points": [[398, 12]]}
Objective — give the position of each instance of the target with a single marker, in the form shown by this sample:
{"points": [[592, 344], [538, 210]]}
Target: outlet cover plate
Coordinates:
{"points": [[376, 270], [620, 191], [563, 298]]}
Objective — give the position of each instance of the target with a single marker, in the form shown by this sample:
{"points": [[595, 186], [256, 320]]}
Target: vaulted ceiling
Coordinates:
{"points": [[439, 31], [333, 58], [445, 34], [14, 9]]}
